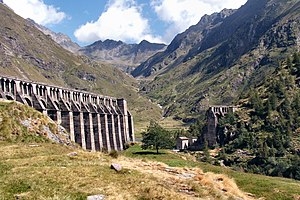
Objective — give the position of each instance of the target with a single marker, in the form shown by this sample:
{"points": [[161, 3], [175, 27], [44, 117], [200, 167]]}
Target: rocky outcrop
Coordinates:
{"points": [[60, 38]]}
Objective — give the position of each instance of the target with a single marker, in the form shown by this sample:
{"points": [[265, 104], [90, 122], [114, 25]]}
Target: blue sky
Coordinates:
{"points": [[127, 20]]}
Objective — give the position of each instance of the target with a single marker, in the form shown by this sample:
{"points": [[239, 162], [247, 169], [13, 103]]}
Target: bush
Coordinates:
{"points": [[114, 154]]}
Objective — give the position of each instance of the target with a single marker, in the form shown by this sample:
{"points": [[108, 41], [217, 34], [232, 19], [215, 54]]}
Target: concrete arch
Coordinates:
{"points": [[28, 101], [7, 85], [43, 102], [57, 104], [13, 87], [68, 105], [2, 84]]}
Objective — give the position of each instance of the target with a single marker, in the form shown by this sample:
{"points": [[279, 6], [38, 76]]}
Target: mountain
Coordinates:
{"points": [[118, 53], [180, 45], [220, 58], [60, 38], [27, 53]]}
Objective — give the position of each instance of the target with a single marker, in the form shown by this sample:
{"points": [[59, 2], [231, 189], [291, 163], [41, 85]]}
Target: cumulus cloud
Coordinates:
{"points": [[181, 14], [37, 10], [122, 20]]}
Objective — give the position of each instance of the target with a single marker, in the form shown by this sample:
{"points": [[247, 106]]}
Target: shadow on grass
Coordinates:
{"points": [[147, 153]]}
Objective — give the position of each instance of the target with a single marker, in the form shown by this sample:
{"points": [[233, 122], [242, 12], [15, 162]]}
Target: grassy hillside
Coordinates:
{"points": [[21, 123], [27, 53], [269, 188], [46, 171]]}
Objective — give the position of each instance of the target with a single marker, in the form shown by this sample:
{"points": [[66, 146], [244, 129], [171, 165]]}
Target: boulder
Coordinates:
{"points": [[116, 167], [72, 154], [96, 197]]}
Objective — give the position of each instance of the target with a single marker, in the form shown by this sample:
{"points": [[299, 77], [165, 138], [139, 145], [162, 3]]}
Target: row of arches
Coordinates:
{"points": [[10, 87]]}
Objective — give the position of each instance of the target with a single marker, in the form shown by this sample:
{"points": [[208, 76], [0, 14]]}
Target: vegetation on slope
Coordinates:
{"points": [[21, 123], [263, 136]]}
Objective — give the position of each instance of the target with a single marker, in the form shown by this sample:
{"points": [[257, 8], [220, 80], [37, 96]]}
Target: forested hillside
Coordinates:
{"points": [[264, 135]]}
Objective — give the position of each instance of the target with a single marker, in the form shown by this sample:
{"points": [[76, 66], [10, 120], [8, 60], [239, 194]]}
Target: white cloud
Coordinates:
{"points": [[37, 10], [181, 14], [122, 20]]}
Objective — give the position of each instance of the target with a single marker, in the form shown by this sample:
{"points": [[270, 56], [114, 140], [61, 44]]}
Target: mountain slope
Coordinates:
{"points": [[180, 45], [27, 53], [229, 58], [59, 38], [118, 53]]}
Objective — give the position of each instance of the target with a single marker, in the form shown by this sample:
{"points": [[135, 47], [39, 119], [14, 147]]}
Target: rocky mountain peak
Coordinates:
{"points": [[60, 38], [144, 45]]}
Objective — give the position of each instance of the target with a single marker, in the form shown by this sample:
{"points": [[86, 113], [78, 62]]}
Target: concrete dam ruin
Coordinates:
{"points": [[95, 122], [213, 115]]}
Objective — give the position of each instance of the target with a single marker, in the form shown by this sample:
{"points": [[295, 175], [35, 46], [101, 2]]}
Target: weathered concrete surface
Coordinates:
{"points": [[94, 121]]}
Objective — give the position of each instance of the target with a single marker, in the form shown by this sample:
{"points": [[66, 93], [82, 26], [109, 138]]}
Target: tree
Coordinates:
{"points": [[157, 137], [195, 129]]}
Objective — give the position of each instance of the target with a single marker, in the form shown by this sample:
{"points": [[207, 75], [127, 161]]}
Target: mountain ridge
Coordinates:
{"points": [[222, 66], [60, 38], [120, 54]]}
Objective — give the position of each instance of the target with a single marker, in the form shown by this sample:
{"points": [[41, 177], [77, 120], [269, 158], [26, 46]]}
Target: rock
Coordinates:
{"points": [[33, 145], [96, 197], [116, 167], [72, 154]]}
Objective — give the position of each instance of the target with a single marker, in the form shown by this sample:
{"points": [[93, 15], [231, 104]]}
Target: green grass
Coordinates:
{"points": [[273, 188], [45, 171]]}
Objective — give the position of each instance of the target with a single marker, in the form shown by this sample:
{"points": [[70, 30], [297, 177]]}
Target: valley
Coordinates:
{"points": [[227, 89]]}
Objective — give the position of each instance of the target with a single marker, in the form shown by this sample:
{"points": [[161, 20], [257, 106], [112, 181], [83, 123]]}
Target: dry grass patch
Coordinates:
{"points": [[46, 171], [189, 182]]}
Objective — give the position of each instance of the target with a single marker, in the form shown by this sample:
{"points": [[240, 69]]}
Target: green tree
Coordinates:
{"points": [[195, 129], [157, 137], [256, 103], [206, 157]]}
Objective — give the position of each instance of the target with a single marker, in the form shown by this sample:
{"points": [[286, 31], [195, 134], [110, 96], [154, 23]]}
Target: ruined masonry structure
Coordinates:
{"points": [[213, 115], [95, 122]]}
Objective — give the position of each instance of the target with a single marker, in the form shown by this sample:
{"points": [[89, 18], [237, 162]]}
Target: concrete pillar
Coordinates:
{"points": [[92, 133], [132, 138], [58, 114], [18, 88], [122, 104], [99, 131], [113, 133], [119, 132], [34, 91], [107, 133], [82, 130], [72, 132]]}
